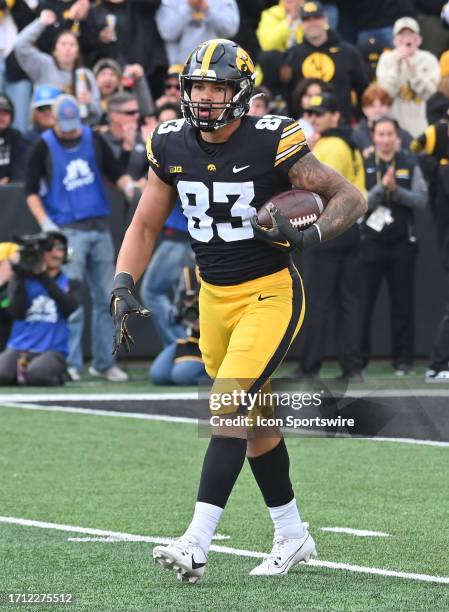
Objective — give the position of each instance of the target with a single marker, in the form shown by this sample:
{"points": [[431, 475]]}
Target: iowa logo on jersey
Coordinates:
{"points": [[212, 168], [244, 62]]}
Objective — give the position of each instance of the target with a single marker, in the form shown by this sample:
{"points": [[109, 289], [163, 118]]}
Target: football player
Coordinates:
{"points": [[225, 165]]}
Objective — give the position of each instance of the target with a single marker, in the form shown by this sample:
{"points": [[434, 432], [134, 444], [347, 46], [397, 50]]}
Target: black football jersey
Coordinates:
{"points": [[221, 186]]}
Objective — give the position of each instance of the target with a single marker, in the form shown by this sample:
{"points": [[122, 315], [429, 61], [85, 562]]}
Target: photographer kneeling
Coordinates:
{"points": [[41, 299], [181, 363]]}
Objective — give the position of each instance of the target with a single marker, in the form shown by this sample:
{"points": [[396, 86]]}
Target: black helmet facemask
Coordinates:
{"points": [[229, 65]]}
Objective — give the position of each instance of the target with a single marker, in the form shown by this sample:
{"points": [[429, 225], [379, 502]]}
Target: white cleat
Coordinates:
{"points": [[286, 553], [184, 556]]}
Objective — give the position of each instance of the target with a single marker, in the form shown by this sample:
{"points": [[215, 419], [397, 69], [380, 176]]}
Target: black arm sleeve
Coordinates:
{"points": [[109, 165], [18, 302], [36, 167], [67, 302]]}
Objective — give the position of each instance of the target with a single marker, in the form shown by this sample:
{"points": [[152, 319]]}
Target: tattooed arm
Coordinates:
{"points": [[345, 202]]}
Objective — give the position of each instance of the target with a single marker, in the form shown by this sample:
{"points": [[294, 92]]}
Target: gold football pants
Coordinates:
{"points": [[246, 329]]}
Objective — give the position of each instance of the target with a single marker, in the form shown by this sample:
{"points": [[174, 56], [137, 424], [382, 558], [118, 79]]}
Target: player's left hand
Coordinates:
{"points": [[282, 235], [123, 304]]}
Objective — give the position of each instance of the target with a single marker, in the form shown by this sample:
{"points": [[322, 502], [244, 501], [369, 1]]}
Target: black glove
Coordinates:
{"points": [[123, 304], [283, 235]]}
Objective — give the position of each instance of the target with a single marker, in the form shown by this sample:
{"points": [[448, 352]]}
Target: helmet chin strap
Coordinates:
{"points": [[227, 107]]}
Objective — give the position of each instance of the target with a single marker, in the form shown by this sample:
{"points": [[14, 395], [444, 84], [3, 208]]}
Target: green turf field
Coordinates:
{"points": [[140, 477]]}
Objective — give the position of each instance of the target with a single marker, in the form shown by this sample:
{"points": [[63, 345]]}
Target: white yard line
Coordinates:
{"points": [[193, 395], [111, 539], [176, 419], [217, 536], [364, 533], [117, 535], [96, 397], [109, 413]]}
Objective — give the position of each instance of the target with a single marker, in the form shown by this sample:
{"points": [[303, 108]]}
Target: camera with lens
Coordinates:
{"points": [[32, 248], [186, 305]]}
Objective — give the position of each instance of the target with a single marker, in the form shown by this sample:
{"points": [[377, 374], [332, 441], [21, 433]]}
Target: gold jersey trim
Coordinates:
{"points": [[291, 141]]}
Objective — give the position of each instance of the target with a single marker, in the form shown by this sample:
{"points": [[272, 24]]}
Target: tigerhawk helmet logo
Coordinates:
{"points": [[244, 62]]}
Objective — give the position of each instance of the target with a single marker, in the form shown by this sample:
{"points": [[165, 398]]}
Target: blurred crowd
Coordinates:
{"points": [[369, 83]]}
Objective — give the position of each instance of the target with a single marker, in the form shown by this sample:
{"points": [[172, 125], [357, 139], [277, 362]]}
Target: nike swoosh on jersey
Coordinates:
{"points": [[265, 297], [235, 169], [284, 244]]}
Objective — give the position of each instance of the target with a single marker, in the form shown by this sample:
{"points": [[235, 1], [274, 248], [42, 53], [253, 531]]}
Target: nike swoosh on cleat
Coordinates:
{"points": [[260, 298], [235, 169], [196, 565]]}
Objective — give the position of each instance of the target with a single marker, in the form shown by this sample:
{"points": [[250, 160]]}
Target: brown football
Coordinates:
{"points": [[303, 208]]}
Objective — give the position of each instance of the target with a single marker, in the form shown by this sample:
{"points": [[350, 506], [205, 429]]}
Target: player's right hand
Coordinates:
{"points": [[123, 304], [281, 236]]}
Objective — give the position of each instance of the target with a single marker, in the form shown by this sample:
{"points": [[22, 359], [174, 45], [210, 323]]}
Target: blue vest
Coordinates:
{"points": [[44, 327], [76, 190], [176, 219]]}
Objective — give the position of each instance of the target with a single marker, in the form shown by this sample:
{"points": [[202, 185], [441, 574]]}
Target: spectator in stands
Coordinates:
{"points": [[8, 254], [123, 136], [41, 298], [161, 278], [61, 69], [435, 142], [437, 106], [71, 16], [166, 112], [181, 363], [409, 75], [322, 55], [184, 24], [303, 92], [108, 75], [13, 82], [396, 188], [172, 87], [260, 102], [376, 102], [64, 189], [42, 118], [370, 51], [11, 144], [111, 79], [433, 19], [376, 19], [250, 12], [280, 26], [279, 29], [331, 269], [132, 37]]}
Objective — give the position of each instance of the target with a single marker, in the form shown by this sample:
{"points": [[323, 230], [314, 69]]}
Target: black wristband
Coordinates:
{"points": [[311, 236], [123, 280]]}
